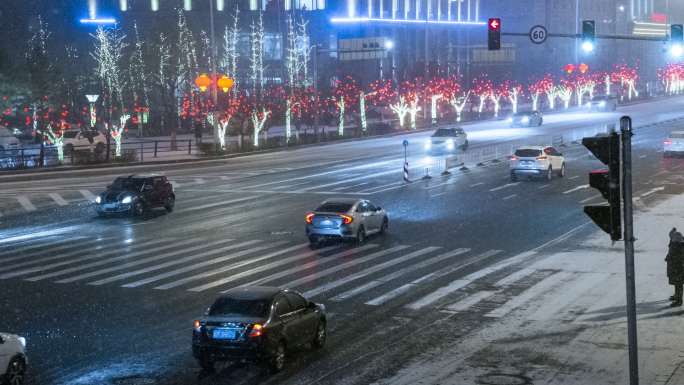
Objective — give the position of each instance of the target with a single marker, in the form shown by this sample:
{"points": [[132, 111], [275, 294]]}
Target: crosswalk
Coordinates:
{"points": [[409, 277]]}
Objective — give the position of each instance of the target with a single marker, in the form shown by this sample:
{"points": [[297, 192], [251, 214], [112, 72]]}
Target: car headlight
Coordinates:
{"points": [[428, 144], [98, 199], [525, 120], [602, 104], [22, 341], [509, 120], [450, 144], [127, 199]]}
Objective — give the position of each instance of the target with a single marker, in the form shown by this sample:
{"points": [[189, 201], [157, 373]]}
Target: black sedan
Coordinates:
{"points": [[526, 119], [135, 195], [257, 324]]}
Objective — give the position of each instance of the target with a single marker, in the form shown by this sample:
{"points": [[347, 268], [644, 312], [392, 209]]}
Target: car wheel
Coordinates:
{"points": [[514, 178], [206, 363], [321, 335], [549, 174], [170, 202], [99, 148], [16, 371], [277, 362], [561, 173], [313, 243], [385, 226], [138, 209], [361, 236]]}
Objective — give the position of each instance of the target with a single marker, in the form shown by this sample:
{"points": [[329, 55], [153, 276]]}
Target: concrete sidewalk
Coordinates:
{"points": [[570, 326]]}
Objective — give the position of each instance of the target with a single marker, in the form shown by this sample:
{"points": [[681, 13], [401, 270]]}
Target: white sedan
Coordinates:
{"points": [[674, 144], [537, 161], [13, 361]]}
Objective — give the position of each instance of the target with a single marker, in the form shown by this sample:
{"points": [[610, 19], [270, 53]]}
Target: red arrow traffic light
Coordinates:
{"points": [[494, 24]]}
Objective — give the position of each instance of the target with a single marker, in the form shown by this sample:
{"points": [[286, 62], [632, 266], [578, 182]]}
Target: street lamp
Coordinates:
{"points": [[92, 99], [588, 46], [676, 51]]}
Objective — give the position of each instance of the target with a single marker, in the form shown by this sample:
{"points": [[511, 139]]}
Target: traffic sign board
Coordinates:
{"points": [[538, 34], [405, 143]]}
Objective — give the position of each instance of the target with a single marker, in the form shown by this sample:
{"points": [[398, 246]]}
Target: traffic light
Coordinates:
{"points": [[676, 40], [494, 36], [607, 150], [588, 35]]}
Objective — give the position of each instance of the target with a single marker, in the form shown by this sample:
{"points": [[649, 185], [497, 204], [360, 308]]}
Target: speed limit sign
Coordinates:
{"points": [[538, 34]]}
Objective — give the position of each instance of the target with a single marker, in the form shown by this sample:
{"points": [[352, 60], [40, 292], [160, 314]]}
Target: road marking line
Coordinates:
{"points": [[652, 191], [389, 277], [138, 262], [87, 195], [510, 197], [349, 187], [438, 195], [199, 181], [38, 234], [462, 282], [25, 202], [383, 187], [590, 198], [642, 156], [391, 294], [42, 268], [371, 270], [58, 199], [50, 247], [507, 185], [477, 184], [226, 268], [192, 266], [470, 301], [582, 187], [321, 273], [543, 186], [515, 277], [255, 270], [573, 177], [540, 288], [54, 253], [216, 204], [287, 186]]}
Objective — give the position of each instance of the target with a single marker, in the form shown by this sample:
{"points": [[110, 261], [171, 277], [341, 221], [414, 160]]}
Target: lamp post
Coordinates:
{"points": [[92, 99]]}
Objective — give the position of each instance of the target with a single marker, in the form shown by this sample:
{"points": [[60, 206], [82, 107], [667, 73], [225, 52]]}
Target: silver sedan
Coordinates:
{"points": [[345, 219]]}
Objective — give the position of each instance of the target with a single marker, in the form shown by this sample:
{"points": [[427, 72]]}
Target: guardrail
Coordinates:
{"points": [[34, 156]]}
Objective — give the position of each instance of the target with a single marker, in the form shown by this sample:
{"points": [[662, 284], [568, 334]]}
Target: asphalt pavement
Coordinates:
{"points": [[111, 301]]}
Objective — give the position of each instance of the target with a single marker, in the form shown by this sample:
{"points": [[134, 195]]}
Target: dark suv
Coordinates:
{"points": [[135, 195], [257, 324]]}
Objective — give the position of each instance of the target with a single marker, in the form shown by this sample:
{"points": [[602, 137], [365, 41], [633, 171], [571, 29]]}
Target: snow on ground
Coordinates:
{"points": [[570, 326]]}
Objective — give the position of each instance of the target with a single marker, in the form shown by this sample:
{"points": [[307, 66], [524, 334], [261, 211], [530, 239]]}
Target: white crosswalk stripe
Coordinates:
{"points": [[256, 270], [372, 270], [190, 258], [58, 199], [26, 203], [470, 301], [47, 246], [223, 269], [394, 275], [140, 262], [202, 264], [42, 268], [540, 288]]}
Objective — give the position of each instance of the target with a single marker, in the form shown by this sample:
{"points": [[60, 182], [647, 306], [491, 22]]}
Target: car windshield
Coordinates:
{"points": [[70, 134], [527, 153], [335, 207], [128, 184], [442, 132], [240, 307]]}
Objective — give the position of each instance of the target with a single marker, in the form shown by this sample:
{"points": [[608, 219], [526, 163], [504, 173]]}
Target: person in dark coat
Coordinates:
{"points": [[675, 266]]}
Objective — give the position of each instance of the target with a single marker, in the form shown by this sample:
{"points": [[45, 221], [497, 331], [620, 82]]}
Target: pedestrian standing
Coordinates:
{"points": [[675, 266], [198, 132]]}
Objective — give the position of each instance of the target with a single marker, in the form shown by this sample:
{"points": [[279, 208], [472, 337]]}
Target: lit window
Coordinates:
{"points": [[123, 5], [220, 4], [187, 5], [154, 4]]}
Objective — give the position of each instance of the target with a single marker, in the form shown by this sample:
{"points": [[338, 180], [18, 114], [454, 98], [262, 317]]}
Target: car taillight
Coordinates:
{"points": [[257, 331], [668, 142], [541, 158], [346, 219], [513, 157], [197, 325], [309, 218]]}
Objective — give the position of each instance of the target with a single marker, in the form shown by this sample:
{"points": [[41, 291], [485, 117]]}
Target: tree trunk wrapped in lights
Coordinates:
{"points": [[495, 96], [339, 102], [108, 55], [459, 103], [231, 53], [256, 59], [259, 122], [57, 139], [401, 109], [565, 93], [433, 108], [413, 110]]}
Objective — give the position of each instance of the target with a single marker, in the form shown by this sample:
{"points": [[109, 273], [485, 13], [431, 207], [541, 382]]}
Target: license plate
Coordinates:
{"points": [[109, 206], [326, 223], [224, 334]]}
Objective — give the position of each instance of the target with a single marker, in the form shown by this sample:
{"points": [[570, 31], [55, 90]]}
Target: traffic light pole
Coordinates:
{"points": [[626, 129]]}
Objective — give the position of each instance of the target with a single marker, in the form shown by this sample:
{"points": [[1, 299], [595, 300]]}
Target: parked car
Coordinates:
{"points": [[8, 141], [674, 144], [526, 119], [537, 161], [603, 103], [82, 140], [345, 219], [257, 324], [13, 360], [135, 195], [446, 141]]}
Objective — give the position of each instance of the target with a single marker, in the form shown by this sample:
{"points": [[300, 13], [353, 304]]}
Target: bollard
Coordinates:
{"points": [[189, 147], [427, 174], [142, 152], [155, 148], [406, 172]]}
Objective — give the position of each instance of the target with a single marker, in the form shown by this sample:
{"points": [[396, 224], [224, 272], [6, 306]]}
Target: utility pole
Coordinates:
{"points": [[626, 130], [214, 54], [315, 86]]}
